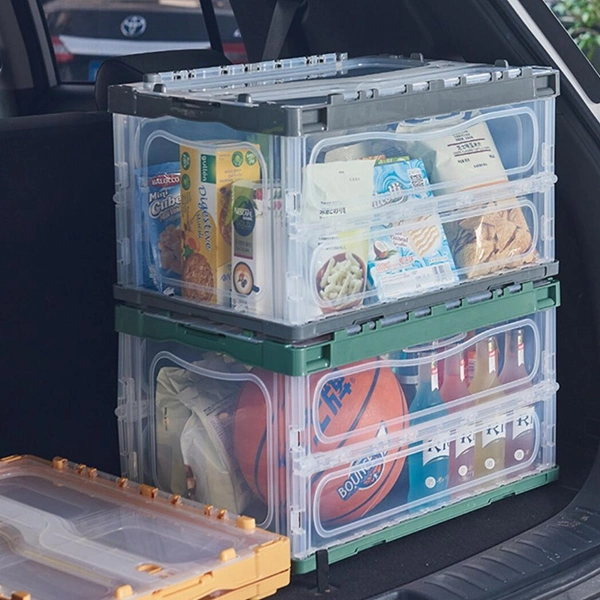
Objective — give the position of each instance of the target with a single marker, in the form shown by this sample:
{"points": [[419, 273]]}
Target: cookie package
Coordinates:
{"points": [[159, 201]]}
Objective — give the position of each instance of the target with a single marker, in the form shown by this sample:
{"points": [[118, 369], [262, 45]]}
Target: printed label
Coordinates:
{"points": [[492, 433], [465, 441], [436, 448], [364, 476], [523, 422]]}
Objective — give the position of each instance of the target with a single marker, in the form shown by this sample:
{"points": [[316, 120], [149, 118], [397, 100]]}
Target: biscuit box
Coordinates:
{"points": [[159, 238], [207, 175]]}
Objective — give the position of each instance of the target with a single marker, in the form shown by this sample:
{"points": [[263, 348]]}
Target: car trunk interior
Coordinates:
{"points": [[471, 30], [481, 32]]}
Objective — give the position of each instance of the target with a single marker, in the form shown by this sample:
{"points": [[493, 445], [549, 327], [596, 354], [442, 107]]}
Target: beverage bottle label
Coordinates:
{"points": [[436, 448], [465, 440], [492, 433]]}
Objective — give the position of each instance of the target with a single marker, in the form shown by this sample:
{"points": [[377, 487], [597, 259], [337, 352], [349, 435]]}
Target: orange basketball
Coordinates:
{"points": [[250, 433], [347, 406]]}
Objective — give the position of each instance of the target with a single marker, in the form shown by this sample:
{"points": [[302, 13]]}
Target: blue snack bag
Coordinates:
{"points": [[158, 244]]}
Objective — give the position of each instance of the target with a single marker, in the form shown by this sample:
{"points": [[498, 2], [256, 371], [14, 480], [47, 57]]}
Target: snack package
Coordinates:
{"points": [[195, 457], [159, 244], [499, 238], [411, 256], [207, 174], [335, 191], [400, 259]]}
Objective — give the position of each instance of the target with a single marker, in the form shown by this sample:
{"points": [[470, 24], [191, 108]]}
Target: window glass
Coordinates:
{"points": [[581, 19], [86, 32]]}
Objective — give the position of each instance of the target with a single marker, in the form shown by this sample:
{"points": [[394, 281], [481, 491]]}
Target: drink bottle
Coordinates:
{"points": [[490, 442], [462, 446], [520, 429], [428, 469]]}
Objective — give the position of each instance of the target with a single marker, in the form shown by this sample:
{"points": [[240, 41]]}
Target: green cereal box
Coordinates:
{"points": [[251, 273]]}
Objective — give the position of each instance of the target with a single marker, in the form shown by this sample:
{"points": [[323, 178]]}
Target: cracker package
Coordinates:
{"points": [[495, 239], [412, 256], [207, 175], [338, 192], [159, 243]]}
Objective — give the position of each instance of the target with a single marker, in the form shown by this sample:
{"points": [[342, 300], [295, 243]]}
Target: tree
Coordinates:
{"points": [[582, 20]]}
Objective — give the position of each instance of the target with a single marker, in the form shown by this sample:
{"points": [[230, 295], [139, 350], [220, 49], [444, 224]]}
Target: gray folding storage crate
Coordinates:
{"points": [[350, 208]]}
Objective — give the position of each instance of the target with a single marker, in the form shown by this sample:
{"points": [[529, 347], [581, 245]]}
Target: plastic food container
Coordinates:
{"points": [[70, 532], [286, 197], [339, 458]]}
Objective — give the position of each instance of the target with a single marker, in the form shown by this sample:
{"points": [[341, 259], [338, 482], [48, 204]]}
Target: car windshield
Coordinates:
{"points": [[84, 33]]}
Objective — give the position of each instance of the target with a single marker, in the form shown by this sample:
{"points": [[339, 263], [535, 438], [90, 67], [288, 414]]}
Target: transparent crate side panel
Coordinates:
{"points": [[394, 211], [321, 457], [181, 221], [402, 479], [206, 428], [384, 440], [302, 228]]}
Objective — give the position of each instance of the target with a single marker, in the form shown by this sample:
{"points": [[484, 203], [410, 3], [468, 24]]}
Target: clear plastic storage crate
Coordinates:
{"points": [[300, 191], [337, 457], [70, 532]]}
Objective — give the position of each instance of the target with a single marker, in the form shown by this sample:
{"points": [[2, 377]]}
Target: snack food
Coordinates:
{"points": [[159, 241], [468, 157], [410, 256], [341, 281], [208, 172]]}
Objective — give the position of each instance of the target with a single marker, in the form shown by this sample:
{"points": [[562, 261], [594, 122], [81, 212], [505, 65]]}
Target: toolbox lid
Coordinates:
{"points": [[329, 92], [68, 532]]}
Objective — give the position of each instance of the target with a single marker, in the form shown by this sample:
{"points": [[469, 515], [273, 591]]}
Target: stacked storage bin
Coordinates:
{"points": [[336, 291]]}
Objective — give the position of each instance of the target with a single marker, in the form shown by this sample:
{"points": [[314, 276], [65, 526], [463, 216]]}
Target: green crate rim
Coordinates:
{"points": [[349, 345], [436, 517]]}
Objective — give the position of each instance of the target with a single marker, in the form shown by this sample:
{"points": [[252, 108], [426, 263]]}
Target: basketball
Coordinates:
{"points": [[353, 407], [250, 433]]}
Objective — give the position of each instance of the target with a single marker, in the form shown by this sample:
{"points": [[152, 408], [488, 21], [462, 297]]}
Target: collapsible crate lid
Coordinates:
{"points": [[355, 343], [68, 532], [329, 92]]}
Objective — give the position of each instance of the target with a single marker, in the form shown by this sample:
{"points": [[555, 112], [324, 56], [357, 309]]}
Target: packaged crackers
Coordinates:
{"points": [[412, 256], [494, 239], [207, 175]]}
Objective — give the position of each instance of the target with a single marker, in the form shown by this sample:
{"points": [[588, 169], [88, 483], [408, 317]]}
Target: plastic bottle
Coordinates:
{"points": [[490, 442], [462, 446], [520, 429], [428, 470]]}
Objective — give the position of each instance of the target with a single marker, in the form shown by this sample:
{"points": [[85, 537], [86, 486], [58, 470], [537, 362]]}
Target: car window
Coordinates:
{"points": [[84, 33], [581, 18]]}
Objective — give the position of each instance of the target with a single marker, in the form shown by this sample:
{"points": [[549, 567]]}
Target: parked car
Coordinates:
{"points": [[86, 33]]}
